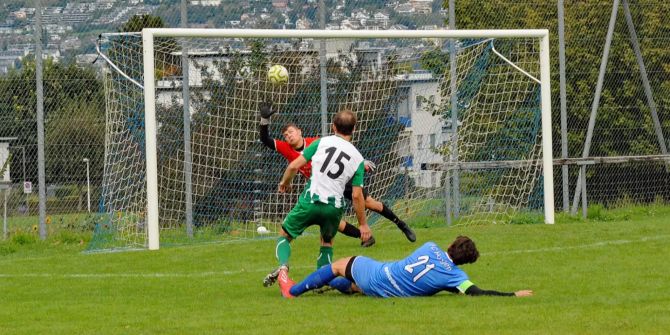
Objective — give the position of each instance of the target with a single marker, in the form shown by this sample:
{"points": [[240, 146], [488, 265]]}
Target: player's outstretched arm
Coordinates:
{"points": [[289, 174], [524, 293], [266, 112], [476, 291], [265, 137]]}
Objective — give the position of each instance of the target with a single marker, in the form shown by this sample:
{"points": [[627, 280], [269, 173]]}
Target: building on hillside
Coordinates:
{"points": [[302, 23], [280, 4], [422, 6], [404, 8], [206, 3], [424, 132], [10, 60], [348, 24], [381, 20]]}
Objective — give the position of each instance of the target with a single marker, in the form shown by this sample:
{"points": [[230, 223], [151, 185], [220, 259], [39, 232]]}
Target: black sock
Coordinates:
{"points": [[388, 213], [351, 231]]}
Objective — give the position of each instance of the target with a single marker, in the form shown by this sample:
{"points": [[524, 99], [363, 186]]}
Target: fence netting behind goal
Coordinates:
{"points": [[484, 168]]}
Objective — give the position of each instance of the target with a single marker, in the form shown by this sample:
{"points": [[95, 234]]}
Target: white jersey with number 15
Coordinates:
{"points": [[335, 161]]}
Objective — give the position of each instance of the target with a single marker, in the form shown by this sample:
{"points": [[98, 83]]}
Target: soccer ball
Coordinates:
{"points": [[278, 74], [262, 230]]}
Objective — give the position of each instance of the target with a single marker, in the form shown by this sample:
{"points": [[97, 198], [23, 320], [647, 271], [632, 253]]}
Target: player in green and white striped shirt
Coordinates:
{"points": [[335, 161]]}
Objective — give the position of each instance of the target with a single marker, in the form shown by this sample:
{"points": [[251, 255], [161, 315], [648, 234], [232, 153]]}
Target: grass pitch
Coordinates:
{"points": [[608, 274]]}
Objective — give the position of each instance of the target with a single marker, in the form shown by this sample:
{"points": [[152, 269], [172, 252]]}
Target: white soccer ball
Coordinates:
{"points": [[262, 230], [278, 74]]}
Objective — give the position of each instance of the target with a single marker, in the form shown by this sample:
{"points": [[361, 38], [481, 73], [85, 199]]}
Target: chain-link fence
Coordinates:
{"points": [[632, 117], [621, 106]]}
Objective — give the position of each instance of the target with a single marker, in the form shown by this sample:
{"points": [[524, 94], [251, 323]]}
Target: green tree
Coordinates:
{"points": [[167, 62], [138, 22], [623, 124], [74, 119]]}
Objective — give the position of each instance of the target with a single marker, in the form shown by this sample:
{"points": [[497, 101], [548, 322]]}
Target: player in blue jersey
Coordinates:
{"points": [[425, 272]]}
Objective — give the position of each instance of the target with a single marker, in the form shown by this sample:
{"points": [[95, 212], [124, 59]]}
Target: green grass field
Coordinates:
{"points": [[608, 274]]}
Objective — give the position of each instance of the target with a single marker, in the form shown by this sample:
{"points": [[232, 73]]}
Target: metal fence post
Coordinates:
{"points": [[188, 166], [454, 109], [564, 115], [596, 99], [39, 79]]}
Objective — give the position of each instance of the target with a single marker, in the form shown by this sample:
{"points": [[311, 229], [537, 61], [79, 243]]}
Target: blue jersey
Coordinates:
{"points": [[427, 271]]}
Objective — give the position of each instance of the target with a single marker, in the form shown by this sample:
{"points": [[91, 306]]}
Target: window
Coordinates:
{"points": [[432, 141], [419, 141]]}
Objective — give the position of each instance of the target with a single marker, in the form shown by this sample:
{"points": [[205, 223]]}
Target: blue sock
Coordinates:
{"points": [[318, 278], [341, 284]]}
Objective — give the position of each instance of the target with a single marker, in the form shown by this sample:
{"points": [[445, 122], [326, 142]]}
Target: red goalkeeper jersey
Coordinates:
{"points": [[290, 154]]}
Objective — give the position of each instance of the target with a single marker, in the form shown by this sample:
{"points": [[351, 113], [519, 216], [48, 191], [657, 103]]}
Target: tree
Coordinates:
{"points": [[139, 22], [623, 124], [167, 62], [74, 119]]}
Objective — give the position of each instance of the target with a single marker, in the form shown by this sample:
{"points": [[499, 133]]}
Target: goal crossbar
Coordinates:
{"points": [[319, 33]]}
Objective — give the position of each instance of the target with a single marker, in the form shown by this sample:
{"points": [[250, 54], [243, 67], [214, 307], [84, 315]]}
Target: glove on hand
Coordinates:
{"points": [[370, 166], [266, 110]]}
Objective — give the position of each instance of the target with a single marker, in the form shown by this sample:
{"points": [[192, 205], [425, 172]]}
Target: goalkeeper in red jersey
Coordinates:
{"points": [[291, 148]]}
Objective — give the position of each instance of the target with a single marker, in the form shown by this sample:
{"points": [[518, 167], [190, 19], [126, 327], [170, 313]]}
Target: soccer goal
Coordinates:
{"points": [[457, 122]]}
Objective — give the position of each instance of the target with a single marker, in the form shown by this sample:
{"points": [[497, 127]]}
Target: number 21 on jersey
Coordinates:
{"points": [[422, 260]]}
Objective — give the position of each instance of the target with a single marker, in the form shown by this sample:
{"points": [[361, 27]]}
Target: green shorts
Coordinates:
{"points": [[305, 214]]}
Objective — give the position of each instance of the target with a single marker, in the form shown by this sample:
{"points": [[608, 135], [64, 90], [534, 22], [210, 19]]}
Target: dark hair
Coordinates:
{"points": [[463, 251], [345, 121], [289, 125]]}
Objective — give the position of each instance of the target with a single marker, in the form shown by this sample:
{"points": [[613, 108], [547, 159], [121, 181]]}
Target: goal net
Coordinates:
{"points": [[453, 121]]}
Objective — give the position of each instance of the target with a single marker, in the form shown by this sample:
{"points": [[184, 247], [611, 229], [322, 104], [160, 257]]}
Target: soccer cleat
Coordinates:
{"points": [[285, 283], [406, 230], [370, 242], [271, 278]]}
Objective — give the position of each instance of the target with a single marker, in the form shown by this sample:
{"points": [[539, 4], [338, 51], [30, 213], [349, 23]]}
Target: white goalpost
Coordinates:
{"points": [[492, 164]]}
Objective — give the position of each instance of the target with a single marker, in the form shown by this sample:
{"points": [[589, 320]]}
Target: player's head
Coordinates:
{"points": [[292, 135], [463, 251], [344, 122]]}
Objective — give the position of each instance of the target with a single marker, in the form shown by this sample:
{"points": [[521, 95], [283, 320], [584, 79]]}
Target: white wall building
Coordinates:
{"points": [[424, 131]]}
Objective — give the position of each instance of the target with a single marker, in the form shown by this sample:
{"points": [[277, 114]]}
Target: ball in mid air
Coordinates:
{"points": [[278, 74]]}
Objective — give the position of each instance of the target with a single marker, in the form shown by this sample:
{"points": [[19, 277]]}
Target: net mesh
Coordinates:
{"points": [[485, 168]]}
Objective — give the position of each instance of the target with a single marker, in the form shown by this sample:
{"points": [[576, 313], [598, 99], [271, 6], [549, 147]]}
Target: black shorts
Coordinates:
{"points": [[348, 190]]}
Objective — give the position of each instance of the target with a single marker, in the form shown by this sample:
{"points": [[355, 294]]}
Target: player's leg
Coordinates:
{"points": [[328, 219], [381, 208], [282, 253], [325, 253], [294, 225], [350, 230], [321, 277]]}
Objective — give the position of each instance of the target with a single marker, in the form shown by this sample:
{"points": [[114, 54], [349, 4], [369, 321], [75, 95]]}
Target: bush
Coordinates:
{"points": [[22, 238]]}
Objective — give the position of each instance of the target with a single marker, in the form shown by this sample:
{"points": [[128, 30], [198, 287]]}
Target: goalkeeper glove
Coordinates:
{"points": [[266, 110], [369, 166]]}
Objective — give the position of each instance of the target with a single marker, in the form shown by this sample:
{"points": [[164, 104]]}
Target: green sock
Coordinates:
{"points": [[325, 257], [283, 250]]}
